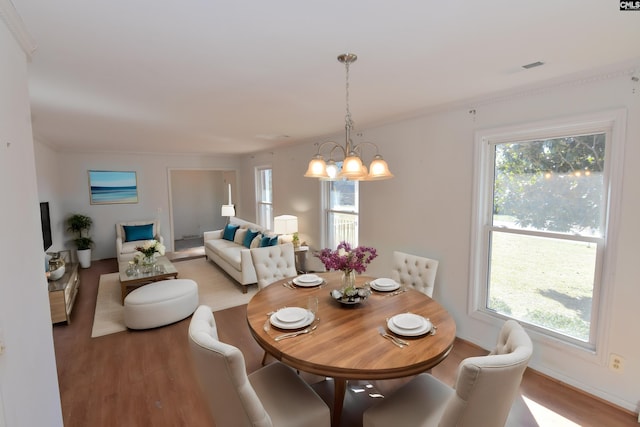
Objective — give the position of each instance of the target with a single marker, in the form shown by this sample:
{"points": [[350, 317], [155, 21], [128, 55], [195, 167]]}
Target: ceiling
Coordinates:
{"points": [[197, 76]]}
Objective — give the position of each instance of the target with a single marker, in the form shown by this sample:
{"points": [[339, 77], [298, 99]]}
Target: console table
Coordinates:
{"points": [[62, 294]]}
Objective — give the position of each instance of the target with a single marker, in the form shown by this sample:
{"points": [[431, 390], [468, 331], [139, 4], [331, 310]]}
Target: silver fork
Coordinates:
{"points": [[399, 291], [295, 334]]}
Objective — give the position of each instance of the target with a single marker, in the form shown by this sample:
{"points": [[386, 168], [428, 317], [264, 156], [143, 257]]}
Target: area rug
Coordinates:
{"points": [[215, 289]]}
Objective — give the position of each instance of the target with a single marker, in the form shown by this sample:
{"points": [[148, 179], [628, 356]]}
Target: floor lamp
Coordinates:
{"points": [[228, 210]]}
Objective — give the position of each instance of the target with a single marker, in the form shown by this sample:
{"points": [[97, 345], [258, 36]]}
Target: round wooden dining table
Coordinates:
{"points": [[346, 344]]}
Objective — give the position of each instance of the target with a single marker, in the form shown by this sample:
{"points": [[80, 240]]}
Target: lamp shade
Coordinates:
{"points": [[285, 224], [378, 169], [317, 168], [228, 210]]}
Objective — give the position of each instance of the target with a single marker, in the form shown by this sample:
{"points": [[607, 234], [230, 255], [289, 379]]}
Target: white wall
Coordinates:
{"points": [[196, 199], [50, 190], [28, 378], [152, 170], [427, 210]]}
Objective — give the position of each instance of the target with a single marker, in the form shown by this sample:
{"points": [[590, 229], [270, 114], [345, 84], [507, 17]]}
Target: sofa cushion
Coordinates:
{"points": [[228, 251], [138, 232], [230, 232], [249, 237], [129, 247], [255, 243], [239, 237], [268, 241]]}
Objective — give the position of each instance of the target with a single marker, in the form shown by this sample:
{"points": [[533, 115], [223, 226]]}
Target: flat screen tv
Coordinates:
{"points": [[45, 220]]}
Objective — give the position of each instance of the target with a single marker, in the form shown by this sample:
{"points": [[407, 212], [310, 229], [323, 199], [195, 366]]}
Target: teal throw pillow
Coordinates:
{"points": [[264, 242], [230, 232], [138, 232], [248, 238], [273, 241]]}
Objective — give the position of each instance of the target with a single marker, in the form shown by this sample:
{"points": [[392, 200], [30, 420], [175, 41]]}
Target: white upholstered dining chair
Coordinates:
{"points": [[414, 271], [274, 263], [272, 396], [485, 389]]}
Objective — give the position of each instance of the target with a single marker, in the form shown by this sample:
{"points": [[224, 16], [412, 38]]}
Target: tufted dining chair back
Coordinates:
{"points": [[415, 271], [484, 391], [273, 263], [272, 396]]}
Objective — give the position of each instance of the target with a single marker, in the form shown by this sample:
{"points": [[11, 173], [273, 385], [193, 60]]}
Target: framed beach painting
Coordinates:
{"points": [[107, 187]]}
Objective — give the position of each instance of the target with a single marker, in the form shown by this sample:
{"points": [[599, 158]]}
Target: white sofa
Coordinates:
{"points": [[126, 248], [232, 256]]}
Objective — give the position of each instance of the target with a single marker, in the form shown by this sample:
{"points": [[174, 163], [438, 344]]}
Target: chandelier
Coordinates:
{"points": [[351, 155]]}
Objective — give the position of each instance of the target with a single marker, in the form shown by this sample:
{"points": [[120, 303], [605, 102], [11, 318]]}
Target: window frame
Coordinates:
{"points": [[327, 211], [613, 123], [267, 223]]}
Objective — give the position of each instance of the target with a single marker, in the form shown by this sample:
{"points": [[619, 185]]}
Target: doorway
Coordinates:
{"points": [[196, 197]]}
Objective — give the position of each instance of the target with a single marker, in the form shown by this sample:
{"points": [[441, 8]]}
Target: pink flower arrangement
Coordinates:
{"points": [[346, 259]]}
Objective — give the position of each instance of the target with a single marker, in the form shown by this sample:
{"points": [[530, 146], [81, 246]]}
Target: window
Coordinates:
{"points": [[341, 212], [544, 204], [264, 197]]}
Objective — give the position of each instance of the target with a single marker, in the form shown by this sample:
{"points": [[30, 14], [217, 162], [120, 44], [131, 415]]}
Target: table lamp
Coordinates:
{"points": [[285, 225]]}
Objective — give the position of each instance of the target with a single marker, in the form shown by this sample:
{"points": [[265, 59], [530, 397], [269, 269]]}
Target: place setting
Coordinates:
{"points": [[387, 286], [304, 281], [298, 320], [407, 325]]}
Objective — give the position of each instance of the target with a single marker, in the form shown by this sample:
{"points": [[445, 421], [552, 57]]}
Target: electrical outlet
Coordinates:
{"points": [[1, 342], [616, 362]]}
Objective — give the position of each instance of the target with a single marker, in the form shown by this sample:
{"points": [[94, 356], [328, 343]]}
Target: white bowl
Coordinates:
{"points": [[57, 273]]}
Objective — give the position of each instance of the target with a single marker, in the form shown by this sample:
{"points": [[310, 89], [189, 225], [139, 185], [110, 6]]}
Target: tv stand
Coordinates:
{"points": [[62, 294]]}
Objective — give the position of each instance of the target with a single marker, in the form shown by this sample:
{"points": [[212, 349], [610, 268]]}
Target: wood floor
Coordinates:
{"points": [[144, 378]]}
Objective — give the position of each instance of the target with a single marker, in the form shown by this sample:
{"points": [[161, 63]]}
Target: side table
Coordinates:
{"points": [[301, 258]]}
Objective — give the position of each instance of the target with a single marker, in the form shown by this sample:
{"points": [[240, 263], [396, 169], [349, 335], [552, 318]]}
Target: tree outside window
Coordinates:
{"points": [[546, 231]]}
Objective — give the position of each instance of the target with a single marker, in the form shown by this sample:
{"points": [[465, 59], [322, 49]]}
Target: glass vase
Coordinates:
{"points": [[148, 263], [348, 279]]}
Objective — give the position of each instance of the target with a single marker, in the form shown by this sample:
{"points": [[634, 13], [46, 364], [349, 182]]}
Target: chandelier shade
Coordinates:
{"points": [[352, 167]]}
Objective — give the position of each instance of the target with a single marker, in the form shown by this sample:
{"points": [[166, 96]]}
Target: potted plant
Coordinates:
{"points": [[79, 225]]}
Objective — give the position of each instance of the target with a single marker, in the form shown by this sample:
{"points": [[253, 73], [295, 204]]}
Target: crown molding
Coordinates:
{"points": [[16, 26]]}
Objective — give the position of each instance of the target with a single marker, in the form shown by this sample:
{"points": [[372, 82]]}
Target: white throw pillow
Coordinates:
{"points": [[239, 237]]}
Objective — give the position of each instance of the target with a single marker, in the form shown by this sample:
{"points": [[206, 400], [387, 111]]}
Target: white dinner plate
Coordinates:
{"points": [[384, 285], [291, 314], [408, 321], [308, 278], [422, 329], [307, 284], [306, 321]]}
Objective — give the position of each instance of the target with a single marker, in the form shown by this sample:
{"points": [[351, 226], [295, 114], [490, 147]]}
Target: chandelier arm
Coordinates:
{"points": [[335, 145], [357, 148]]}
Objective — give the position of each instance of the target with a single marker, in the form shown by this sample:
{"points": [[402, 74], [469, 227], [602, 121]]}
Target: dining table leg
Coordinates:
{"points": [[340, 387]]}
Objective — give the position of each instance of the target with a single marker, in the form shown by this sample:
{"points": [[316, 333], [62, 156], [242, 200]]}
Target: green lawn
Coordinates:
{"points": [[547, 282]]}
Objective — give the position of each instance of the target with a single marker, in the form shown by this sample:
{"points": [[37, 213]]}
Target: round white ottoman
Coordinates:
{"points": [[160, 303]]}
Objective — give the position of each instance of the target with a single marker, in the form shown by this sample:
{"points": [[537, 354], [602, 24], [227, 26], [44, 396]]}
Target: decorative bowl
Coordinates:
{"points": [[57, 273], [350, 296]]}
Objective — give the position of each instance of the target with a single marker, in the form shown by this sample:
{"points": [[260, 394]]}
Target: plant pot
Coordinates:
{"points": [[84, 258]]}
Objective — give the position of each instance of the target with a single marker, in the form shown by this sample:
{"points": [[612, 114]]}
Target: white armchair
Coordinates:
{"points": [[272, 396], [138, 232], [485, 389]]}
